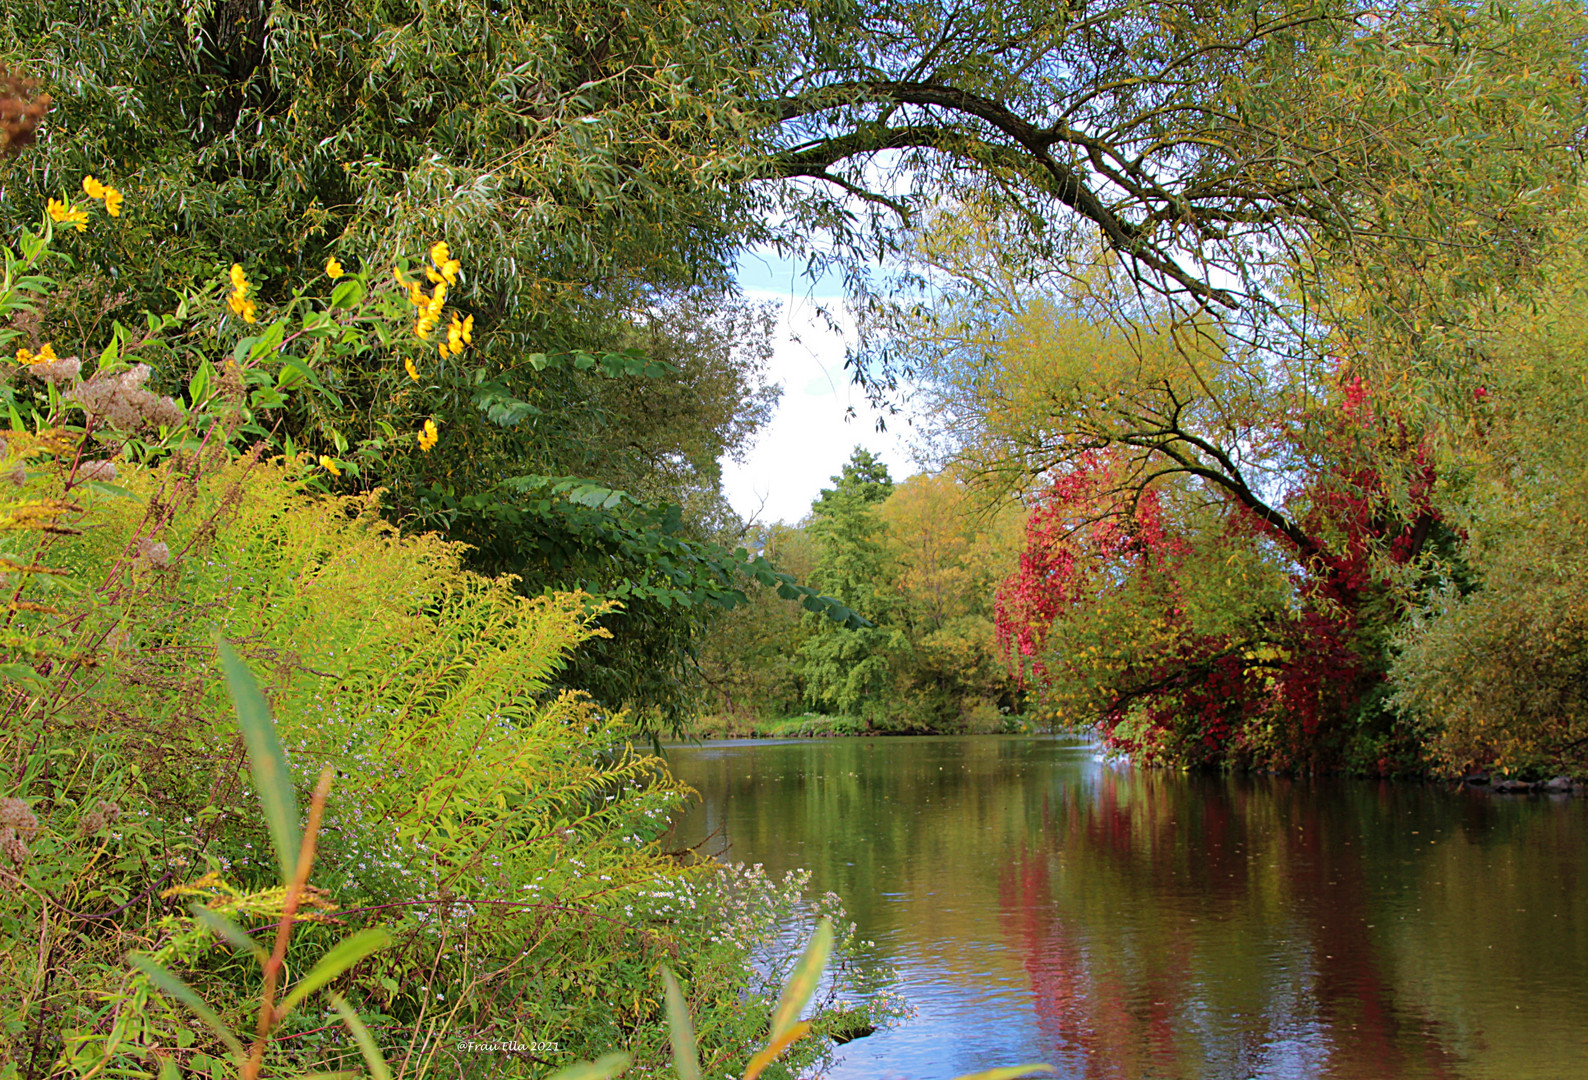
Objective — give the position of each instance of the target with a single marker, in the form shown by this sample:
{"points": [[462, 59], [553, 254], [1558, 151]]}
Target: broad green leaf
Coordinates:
{"points": [[268, 763], [347, 953], [602, 1068], [366, 1042], [347, 293], [269, 341], [802, 980], [199, 386], [171, 986], [681, 1030]]}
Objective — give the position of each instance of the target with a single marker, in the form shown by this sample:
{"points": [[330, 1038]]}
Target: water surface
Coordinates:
{"points": [[1039, 905]]}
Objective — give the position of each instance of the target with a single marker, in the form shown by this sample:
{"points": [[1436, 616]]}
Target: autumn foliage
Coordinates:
{"points": [[1199, 633]]}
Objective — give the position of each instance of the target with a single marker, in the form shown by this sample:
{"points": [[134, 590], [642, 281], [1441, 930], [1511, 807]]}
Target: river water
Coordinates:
{"points": [[1040, 905]]}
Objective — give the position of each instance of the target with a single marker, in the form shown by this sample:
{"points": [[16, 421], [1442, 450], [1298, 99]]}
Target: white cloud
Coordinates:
{"points": [[809, 438]]}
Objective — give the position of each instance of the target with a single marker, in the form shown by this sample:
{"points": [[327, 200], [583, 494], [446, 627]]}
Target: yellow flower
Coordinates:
{"points": [[428, 436], [437, 301], [423, 327], [111, 197], [333, 269], [468, 330], [444, 350], [439, 253], [455, 335], [66, 214], [413, 372], [450, 269], [242, 306], [46, 355], [239, 300], [329, 466]]}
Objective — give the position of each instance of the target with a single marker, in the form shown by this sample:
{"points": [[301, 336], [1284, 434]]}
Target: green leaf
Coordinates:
{"points": [[228, 931], [293, 372], [602, 1068], [269, 341], [111, 490], [173, 987], [198, 387], [269, 764], [680, 1029], [347, 953], [366, 1042], [802, 980], [347, 293], [23, 675]]}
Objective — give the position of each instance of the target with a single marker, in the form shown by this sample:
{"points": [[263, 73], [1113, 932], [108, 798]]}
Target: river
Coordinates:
{"points": [[1038, 904]]}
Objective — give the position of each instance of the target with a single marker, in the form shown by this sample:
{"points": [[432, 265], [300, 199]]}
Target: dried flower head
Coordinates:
{"points": [[21, 109], [154, 552], [60, 372], [102, 471], [103, 814], [14, 814], [12, 847], [121, 400]]}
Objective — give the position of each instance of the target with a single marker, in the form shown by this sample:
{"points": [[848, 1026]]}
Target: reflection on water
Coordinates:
{"points": [[1040, 906]]}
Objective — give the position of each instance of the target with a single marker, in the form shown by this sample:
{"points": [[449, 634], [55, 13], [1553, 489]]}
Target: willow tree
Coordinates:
{"points": [[1213, 146], [569, 154]]}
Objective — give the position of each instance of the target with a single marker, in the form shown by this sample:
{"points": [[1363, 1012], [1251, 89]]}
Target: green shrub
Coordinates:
{"points": [[500, 835]]}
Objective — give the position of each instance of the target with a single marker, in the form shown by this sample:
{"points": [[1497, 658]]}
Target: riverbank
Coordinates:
{"points": [[823, 725]]}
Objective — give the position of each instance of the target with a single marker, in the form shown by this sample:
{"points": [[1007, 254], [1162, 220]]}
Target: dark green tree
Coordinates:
{"points": [[850, 669]]}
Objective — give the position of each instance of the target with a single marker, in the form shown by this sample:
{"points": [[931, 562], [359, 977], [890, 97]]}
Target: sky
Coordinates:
{"points": [[808, 440]]}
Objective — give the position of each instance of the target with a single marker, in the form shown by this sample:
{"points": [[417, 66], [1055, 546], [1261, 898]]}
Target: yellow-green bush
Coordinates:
{"points": [[503, 835]]}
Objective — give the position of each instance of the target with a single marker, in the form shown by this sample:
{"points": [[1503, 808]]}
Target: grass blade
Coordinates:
{"points": [[681, 1029], [602, 1068], [269, 764], [173, 987], [366, 1042], [348, 952], [775, 1048], [802, 980], [228, 931]]}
